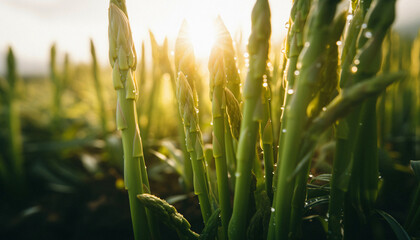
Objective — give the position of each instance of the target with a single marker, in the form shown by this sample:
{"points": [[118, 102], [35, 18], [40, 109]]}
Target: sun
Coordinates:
{"points": [[202, 36]]}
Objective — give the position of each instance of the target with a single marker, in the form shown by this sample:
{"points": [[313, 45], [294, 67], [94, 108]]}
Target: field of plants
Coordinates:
{"points": [[316, 138]]}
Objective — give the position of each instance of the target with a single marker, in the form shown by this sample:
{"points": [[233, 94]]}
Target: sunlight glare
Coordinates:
{"points": [[202, 36]]}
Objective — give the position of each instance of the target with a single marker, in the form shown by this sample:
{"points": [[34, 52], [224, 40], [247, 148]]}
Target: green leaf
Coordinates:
{"points": [[315, 202], [396, 227]]}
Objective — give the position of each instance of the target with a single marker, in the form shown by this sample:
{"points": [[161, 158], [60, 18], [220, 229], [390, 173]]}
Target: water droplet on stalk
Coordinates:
{"points": [[290, 91], [354, 69], [368, 34], [246, 54], [339, 43], [286, 25], [349, 17], [357, 62], [297, 73], [284, 130], [364, 25], [237, 174], [324, 109], [273, 210], [265, 84]]}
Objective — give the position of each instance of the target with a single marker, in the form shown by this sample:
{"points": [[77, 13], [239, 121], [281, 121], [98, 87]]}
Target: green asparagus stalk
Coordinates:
{"points": [[13, 122], [57, 87], [185, 62], [217, 96], [295, 113], [267, 140], [327, 85], [293, 46], [233, 123], [157, 74], [233, 85], [122, 57], [141, 82], [224, 41], [98, 88], [194, 143], [258, 51], [342, 160], [169, 215]]}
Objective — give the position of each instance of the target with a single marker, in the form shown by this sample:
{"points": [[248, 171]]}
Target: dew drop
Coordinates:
{"points": [[290, 91], [368, 34], [211, 123], [172, 53], [273, 210], [307, 44], [349, 17], [284, 130], [286, 25], [354, 69], [364, 25], [237, 174], [357, 61], [339, 43], [265, 84], [297, 73], [324, 109], [246, 54]]}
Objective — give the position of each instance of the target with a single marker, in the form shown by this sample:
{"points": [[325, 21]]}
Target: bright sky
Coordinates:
{"points": [[31, 26]]}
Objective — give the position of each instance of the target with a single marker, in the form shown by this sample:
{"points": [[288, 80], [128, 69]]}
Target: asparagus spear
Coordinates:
{"points": [[194, 142], [98, 88], [258, 51], [11, 97], [122, 56], [217, 96]]}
